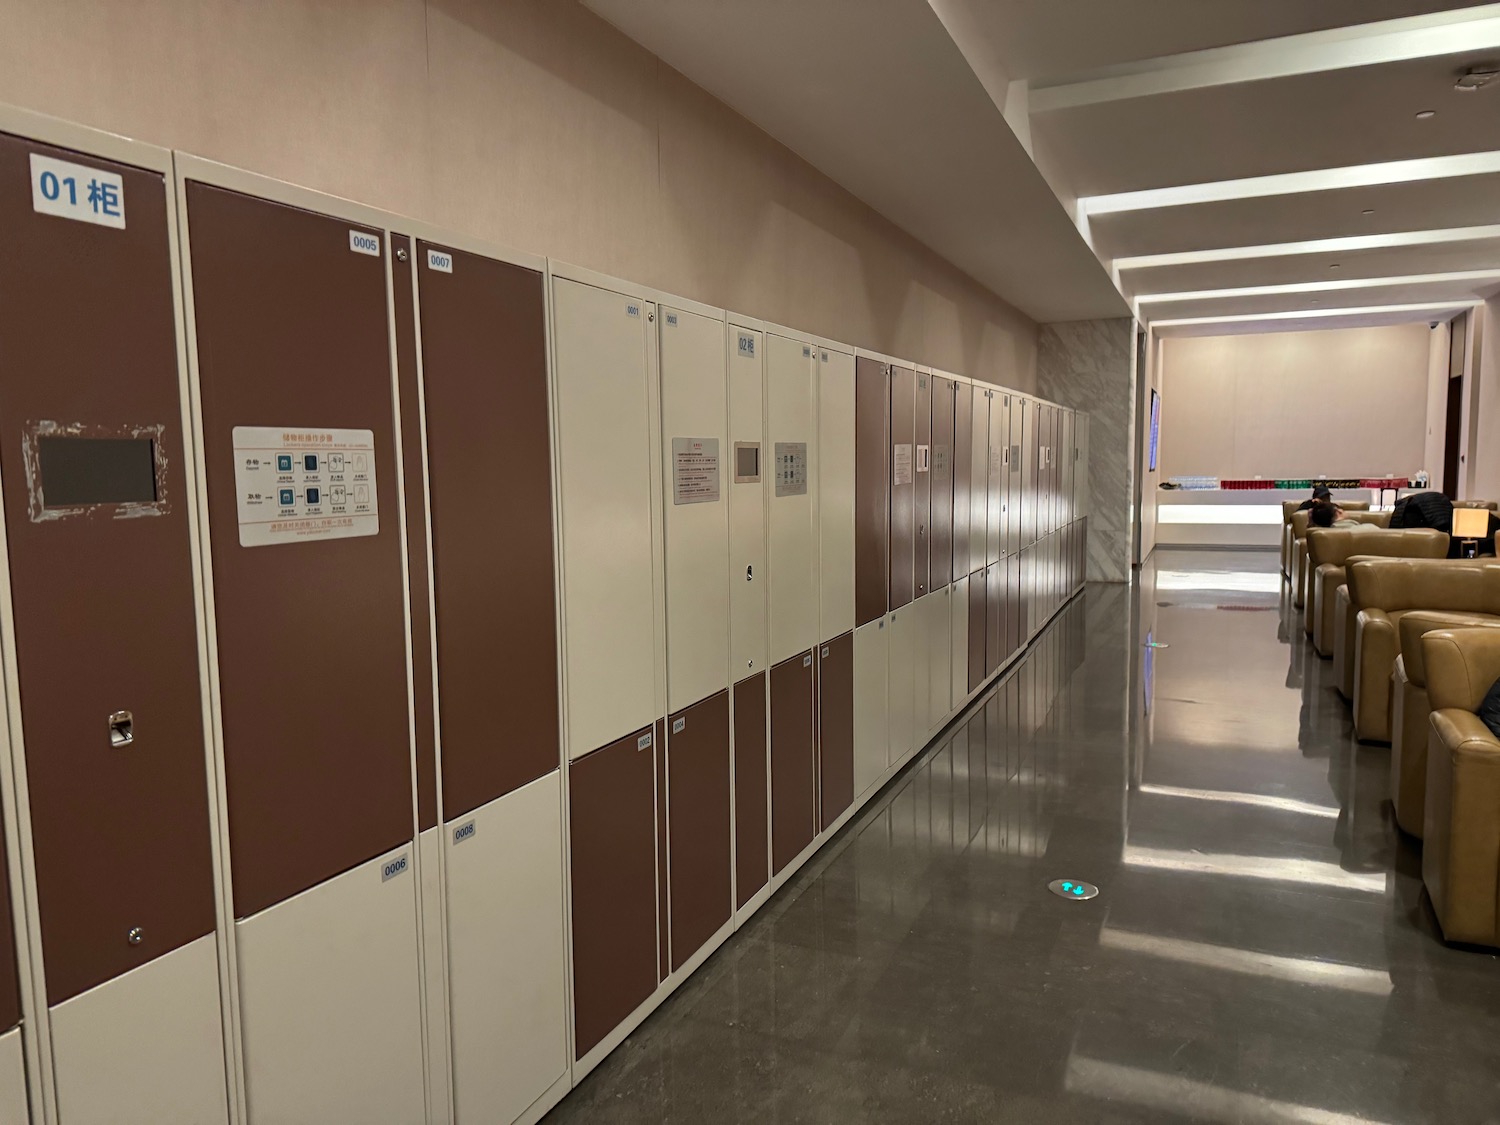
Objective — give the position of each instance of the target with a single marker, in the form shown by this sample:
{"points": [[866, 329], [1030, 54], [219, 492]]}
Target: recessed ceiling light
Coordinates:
{"points": [[1423, 115]]}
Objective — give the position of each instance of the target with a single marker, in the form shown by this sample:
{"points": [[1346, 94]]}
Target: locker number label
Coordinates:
{"points": [[746, 345], [363, 242], [643, 742], [679, 725], [297, 484], [695, 470], [72, 191], [391, 868], [440, 260], [464, 831]]}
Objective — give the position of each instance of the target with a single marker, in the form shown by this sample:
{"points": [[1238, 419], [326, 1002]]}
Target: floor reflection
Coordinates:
{"points": [[1260, 951]]}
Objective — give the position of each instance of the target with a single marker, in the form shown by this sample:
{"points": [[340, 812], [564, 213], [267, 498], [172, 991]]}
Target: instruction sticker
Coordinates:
{"points": [[695, 470], [296, 484], [72, 191], [791, 468], [901, 464]]}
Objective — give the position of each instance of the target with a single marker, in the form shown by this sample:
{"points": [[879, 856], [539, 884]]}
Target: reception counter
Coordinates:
{"points": [[1236, 517]]}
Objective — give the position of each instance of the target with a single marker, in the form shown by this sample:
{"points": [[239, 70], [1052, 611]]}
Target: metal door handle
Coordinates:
{"points": [[121, 729]]}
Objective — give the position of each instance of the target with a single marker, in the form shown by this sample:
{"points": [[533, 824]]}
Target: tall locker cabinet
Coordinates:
{"points": [[101, 644], [295, 388], [792, 534], [604, 360], [747, 610], [482, 385], [963, 414], [695, 511], [872, 425], [836, 570]]}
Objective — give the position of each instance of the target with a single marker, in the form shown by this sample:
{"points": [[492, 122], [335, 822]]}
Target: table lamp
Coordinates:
{"points": [[1470, 525]]}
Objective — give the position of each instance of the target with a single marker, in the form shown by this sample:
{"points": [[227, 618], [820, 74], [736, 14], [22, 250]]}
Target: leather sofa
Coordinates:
{"points": [[1329, 550], [1385, 591], [1289, 508], [1461, 849], [1299, 547], [1411, 710], [1492, 505]]}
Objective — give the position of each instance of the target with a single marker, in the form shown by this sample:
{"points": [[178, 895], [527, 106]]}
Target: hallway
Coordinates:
{"points": [[1259, 952]]}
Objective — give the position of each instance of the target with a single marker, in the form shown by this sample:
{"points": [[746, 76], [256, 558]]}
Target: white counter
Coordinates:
{"points": [[1235, 517]]}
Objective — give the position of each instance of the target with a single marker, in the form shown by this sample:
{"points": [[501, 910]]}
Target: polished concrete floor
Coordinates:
{"points": [[1260, 950]]}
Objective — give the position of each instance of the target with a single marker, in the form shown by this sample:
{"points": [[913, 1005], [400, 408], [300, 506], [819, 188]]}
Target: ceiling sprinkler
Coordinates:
{"points": [[1478, 77]]}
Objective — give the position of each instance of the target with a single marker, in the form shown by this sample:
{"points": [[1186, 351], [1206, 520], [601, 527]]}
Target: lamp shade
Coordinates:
{"points": [[1471, 523]]}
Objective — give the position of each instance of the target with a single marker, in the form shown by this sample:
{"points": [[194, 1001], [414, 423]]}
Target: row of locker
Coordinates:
{"points": [[419, 657]]}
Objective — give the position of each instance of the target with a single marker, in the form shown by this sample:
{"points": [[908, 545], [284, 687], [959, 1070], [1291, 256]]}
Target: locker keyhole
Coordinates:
{"points": [[749, 574], [121, 728]]}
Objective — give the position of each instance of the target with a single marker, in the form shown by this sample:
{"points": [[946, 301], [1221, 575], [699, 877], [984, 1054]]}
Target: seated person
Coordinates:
{"points": [[1325, 513], [1320, 495]]}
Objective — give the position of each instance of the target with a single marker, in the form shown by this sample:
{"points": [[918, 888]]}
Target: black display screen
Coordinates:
{"points": [[78, 471]]}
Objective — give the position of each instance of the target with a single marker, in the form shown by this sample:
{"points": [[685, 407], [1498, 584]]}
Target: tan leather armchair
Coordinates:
{"points": [[1329, 550], [1385, 591], [1490, 504], [1290, 508], [1461, 849], [1411, 710], [1299, 547]]}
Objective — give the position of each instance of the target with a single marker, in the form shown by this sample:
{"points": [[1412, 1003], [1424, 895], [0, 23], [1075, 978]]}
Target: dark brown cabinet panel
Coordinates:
{"points": [[750, 830], [612, 827], [104, 607], [484, 371], [872, 506], [903, 484], [963, 468], [922, 487], [835, 727], [793, 772], [942, 484], [292, 330], [977, 584], [662, 923], [698, 796], [416, 532], [10, 981], [994, 617]]}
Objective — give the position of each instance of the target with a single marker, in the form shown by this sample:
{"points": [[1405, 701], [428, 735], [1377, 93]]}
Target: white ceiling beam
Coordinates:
{"points": [[1311, 246], [1296, 183], [1390, 41], [1456, 277], [1319, 314]]}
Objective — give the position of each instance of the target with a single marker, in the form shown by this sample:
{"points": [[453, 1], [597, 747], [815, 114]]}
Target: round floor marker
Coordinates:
{"points": [[1072, 888]]}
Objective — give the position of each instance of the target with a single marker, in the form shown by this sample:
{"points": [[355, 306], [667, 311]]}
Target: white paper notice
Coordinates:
{"points": [[901, 464], [695, 470], [298, 483]]}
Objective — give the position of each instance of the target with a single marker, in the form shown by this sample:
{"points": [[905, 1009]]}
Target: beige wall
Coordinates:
{"points": [[1348, 402], [530, 123]]}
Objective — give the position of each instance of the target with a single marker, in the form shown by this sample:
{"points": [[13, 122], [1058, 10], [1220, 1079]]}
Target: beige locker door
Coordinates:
{"points": [[695, 505], [605, 443], [901, 686], [791, 434], [979, 475], [835, 494], [999, 412], [871, 703], [747, 469]]}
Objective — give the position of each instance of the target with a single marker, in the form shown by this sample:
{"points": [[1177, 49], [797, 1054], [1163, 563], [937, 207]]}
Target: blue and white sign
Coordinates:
{"points": [[72, 191], [440, 260], [363, 242]]}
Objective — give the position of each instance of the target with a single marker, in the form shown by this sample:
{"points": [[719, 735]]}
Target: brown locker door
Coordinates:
{"points": [[872, 510], [750, 786], [10, 982], [963, 452], [793, 775], [1015, 624], [836, 726], [698, 823], [977, 590], [663, 923], [994, 617], [903, 484], [416, 532], [612, 825], [942, 483], [292, 331], [922, 488], [91, 430], [1016, 477], [489, 458], [994, 546]]}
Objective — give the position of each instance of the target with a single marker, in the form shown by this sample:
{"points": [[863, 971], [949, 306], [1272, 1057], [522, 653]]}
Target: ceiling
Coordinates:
{"points": [[1225, 166]]}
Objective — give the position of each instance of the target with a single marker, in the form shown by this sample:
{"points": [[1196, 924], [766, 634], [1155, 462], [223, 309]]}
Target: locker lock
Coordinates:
{"points": [[400, 255], [136, 935], [121, 729], [749, 574]]}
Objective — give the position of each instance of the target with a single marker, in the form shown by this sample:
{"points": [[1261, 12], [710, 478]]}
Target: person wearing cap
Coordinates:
{"points": [[1321, 495]]}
